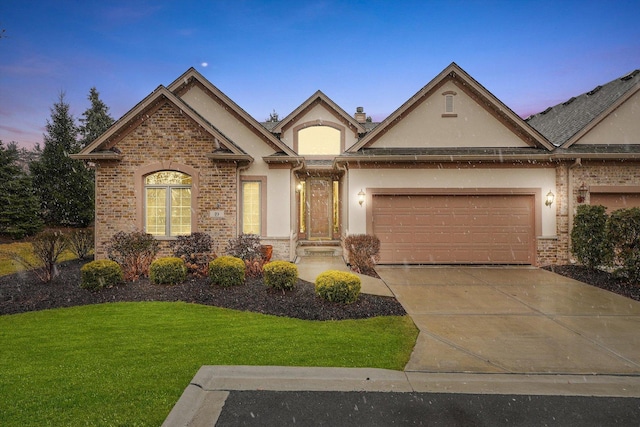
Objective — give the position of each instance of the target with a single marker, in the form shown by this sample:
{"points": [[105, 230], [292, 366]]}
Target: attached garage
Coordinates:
{"points": [[454, 229]]}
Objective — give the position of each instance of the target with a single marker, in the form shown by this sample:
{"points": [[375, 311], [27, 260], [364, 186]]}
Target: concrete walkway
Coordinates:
{"points": [[482, 330]]}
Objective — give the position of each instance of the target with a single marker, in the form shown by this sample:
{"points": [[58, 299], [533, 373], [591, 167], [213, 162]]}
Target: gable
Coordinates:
{"points": [[318, 114], [430, 124], [620, 126]]}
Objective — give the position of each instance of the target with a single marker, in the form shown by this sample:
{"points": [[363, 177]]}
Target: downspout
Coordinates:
{"points": [[293, 237], [576, 163], [345, 203]]}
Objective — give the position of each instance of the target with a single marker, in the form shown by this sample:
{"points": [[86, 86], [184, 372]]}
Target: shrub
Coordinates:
{"points": [[47, 248], [245, 247], [81, 242], [364, 252], [167, 271], [195, 251], [227, 271], [589, 238], [281, 275], [254, 267], [338, 286], [134, 252], [624, 233], [100, 274]]}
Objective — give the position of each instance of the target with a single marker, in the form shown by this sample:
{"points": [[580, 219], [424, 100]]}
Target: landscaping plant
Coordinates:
{"points": [[281, 275], [195, 251], [100, 274], [338, 286], [47, 247], [624, 233], [364, 252], [227, 271], [167, 271], [81, 242], [589, 237], [248, 248], [134, 252]]}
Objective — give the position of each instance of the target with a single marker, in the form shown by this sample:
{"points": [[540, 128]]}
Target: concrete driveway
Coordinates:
{"points": [[515, 320]]}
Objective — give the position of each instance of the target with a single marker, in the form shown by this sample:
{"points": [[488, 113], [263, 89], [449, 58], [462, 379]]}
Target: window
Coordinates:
{"points": [[252, 207], [319, 141], [167, 203]]}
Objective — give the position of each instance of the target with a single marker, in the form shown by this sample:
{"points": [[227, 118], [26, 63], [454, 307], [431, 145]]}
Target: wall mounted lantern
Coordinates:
{"points": [[582, 193], [361, 195], [548, 201]]}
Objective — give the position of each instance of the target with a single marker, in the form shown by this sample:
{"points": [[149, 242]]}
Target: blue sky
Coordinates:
{"points": [[268, 55]]}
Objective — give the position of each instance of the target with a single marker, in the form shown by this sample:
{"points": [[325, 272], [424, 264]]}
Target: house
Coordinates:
{"points": [[453, 176]]}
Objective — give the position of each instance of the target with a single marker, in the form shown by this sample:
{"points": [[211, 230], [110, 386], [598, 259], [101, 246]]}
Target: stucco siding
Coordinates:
{"points": [[472, 126], [620, 127]]}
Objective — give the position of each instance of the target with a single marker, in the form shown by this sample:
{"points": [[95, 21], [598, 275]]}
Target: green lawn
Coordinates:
{"points": [[128, 363]]}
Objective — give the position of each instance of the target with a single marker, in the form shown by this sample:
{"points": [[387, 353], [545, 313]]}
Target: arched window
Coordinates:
{"points": [[319, 141], [167, 203]]}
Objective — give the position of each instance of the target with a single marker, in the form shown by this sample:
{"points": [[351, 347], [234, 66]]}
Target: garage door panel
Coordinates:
{"points": [[495, 229]]}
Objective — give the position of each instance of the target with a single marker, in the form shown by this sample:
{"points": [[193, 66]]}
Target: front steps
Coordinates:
{"points": [[328, 248]]}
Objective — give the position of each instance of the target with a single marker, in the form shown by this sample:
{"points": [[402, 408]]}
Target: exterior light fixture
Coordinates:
{"points": [[299, 187], [548, 201], [361, 195], [582, 193]]}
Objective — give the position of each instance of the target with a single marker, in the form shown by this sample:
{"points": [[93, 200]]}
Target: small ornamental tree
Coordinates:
{"points": [[589, 240]]}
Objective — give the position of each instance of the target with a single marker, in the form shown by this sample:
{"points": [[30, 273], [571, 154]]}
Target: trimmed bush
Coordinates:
{"points": [[134, 252], [338, 286], [589, 237], [281, 275], [624, 233], [100, 274], [167, 271], [364, 252], [227, 271]]}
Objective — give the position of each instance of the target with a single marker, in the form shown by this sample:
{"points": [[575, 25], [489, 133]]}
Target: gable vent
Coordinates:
{"points": [[630, 75], [595, 89]]}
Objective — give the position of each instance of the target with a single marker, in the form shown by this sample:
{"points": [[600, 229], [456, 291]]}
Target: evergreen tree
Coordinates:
{"points": [[19, 207], [96, 119], [63, 185]]}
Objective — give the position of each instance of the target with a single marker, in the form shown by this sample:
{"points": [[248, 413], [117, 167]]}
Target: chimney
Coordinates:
{"points": [[360, 116]]}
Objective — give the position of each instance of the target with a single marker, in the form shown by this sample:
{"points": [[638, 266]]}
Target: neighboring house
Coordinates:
{"points": [[452, 176]]}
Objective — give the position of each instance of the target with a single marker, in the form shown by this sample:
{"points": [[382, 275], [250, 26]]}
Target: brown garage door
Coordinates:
{"points": [[454, 229], [615, 201]]}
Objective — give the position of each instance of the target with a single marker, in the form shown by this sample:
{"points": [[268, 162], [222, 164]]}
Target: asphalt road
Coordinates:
{"points": [[307, 408]]}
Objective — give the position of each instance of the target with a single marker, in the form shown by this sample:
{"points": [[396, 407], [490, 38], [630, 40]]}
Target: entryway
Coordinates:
{"points": [[319, 209]]}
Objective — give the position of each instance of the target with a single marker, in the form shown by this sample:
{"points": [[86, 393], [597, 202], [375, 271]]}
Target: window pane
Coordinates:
{"points": [[180, 211], [156, 215], [168, 177], [251, 220], [319, 140]]}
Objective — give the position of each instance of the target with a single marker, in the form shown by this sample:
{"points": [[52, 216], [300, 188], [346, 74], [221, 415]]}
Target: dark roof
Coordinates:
{"points": [[559, 123]]}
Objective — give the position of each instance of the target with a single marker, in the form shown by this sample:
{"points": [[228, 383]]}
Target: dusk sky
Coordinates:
{"points": [[268, 55]]}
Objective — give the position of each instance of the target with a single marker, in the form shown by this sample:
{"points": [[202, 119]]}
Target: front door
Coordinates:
{"points": [[320, 197]]}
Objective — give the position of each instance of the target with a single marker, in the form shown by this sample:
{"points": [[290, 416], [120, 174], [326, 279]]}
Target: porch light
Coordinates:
{"points": [[361, 195], [582, 193], [299, 187], [549, 199]]}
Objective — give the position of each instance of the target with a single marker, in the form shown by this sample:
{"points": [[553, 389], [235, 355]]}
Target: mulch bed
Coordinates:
{"points": [[601, 279], [22, 292]]}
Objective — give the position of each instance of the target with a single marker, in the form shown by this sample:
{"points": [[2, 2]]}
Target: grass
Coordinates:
{"points": [[128, 363], [24, 249]]}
